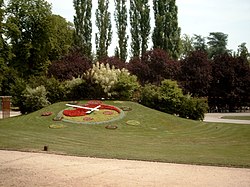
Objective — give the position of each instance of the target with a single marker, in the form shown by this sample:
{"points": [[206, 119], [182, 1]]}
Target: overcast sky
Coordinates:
{"points": [[200, 17]]}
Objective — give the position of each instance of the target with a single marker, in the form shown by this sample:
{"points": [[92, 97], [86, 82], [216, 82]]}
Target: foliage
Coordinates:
{"points": [[104, 75], [153, 67], [121, 24], [125, 87], [113, 61], [217, 44], [230, 83], [34, 99], [103, 22], [193, 108], [61, 37], [72, 65], [74, 89], [16, 90], [140, 26], [195, 76], [166, 33], [83, 26], [150, 96], [243, 51], [28, 32], [55, 89]]}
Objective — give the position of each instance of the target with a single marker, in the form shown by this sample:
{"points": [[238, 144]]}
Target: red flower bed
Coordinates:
{"points": [[82, 111]]}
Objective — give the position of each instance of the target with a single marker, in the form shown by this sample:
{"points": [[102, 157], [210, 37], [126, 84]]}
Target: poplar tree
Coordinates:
{"points": [[166, 34], [140, 26], [121, 24], [103, 23], [83, 26]]}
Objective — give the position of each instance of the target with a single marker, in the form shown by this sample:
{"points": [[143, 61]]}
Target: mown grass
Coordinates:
{"points": [[159, 137], [236, 117]]}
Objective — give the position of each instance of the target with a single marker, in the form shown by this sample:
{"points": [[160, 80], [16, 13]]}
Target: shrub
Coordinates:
{"points": [[74, 89], [55, 89], [34, 99], [193, 108], [170, 96], [16, 90], [105, 76], [125, 87], [150, 96]]}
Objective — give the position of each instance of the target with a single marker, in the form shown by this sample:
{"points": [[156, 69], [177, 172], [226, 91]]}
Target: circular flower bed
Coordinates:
{"points": [[102, 113], [57, 126], [133, 122], [46, 113], [112, 127]]}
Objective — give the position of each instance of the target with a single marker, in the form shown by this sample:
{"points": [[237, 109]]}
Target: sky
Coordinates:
{"points": [[200, 17]]}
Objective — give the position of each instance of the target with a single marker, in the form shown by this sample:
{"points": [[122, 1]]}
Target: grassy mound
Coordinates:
{"points": [[159, 137]]}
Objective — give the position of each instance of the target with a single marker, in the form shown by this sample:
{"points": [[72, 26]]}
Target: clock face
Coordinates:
{"points": [[87, 113]]}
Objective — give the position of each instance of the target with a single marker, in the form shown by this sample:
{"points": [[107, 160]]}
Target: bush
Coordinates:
{"points": [[170, 99], [125, 87], [75, 89], [150, 96], [55, 89], [170, 96], [16, 90], [34, 99], [193, 108]]}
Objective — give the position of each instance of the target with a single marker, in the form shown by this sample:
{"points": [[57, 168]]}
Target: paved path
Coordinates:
{"points": [[216, 117], [38, 169], [12, 114]]}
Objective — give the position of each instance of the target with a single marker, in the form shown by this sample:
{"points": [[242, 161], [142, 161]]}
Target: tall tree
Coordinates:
{"points": [[199, 43], [166, 34], [140, 26], [103, 23], [217, 42], [29, 34], [243, 51], [83, 26], [121, 24], [61, 38]]}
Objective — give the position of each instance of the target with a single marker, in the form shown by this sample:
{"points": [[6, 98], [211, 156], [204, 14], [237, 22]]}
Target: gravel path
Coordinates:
{"points": [[39, 169]]}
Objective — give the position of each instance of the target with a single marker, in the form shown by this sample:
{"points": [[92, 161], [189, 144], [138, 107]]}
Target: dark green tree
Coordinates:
{"points": [[186, 46], [199, 43], [29, 29], [243, 51], [61, 38], [140, 26], [166, 34], [83, 26], [217, 44], [121, 24], [103, 23]]}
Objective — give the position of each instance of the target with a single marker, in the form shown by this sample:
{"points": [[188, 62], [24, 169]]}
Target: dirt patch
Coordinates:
{"points": [[39, 169]]}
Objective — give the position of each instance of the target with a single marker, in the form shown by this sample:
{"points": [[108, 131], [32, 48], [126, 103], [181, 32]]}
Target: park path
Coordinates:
{"points": [[216, 117], [25, 169]]}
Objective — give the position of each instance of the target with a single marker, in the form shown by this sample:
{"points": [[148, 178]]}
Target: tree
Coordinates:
{"points": [[166, 33], [140, 26], [83, 26], [28, 32], [217, 42], [72, 65], [243, 51], [230, 83], [61, 38], [154, 66], [186, 45], [195, 76], [103, 23], [121, 24], [199, 43]]}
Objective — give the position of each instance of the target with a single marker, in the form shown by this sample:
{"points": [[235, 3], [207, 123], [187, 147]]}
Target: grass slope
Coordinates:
{"points": [[159, 137]]}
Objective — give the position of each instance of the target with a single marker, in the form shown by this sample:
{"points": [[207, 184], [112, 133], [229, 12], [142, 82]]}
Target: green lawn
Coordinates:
{"points": [[159, 137], [237, 117]]}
